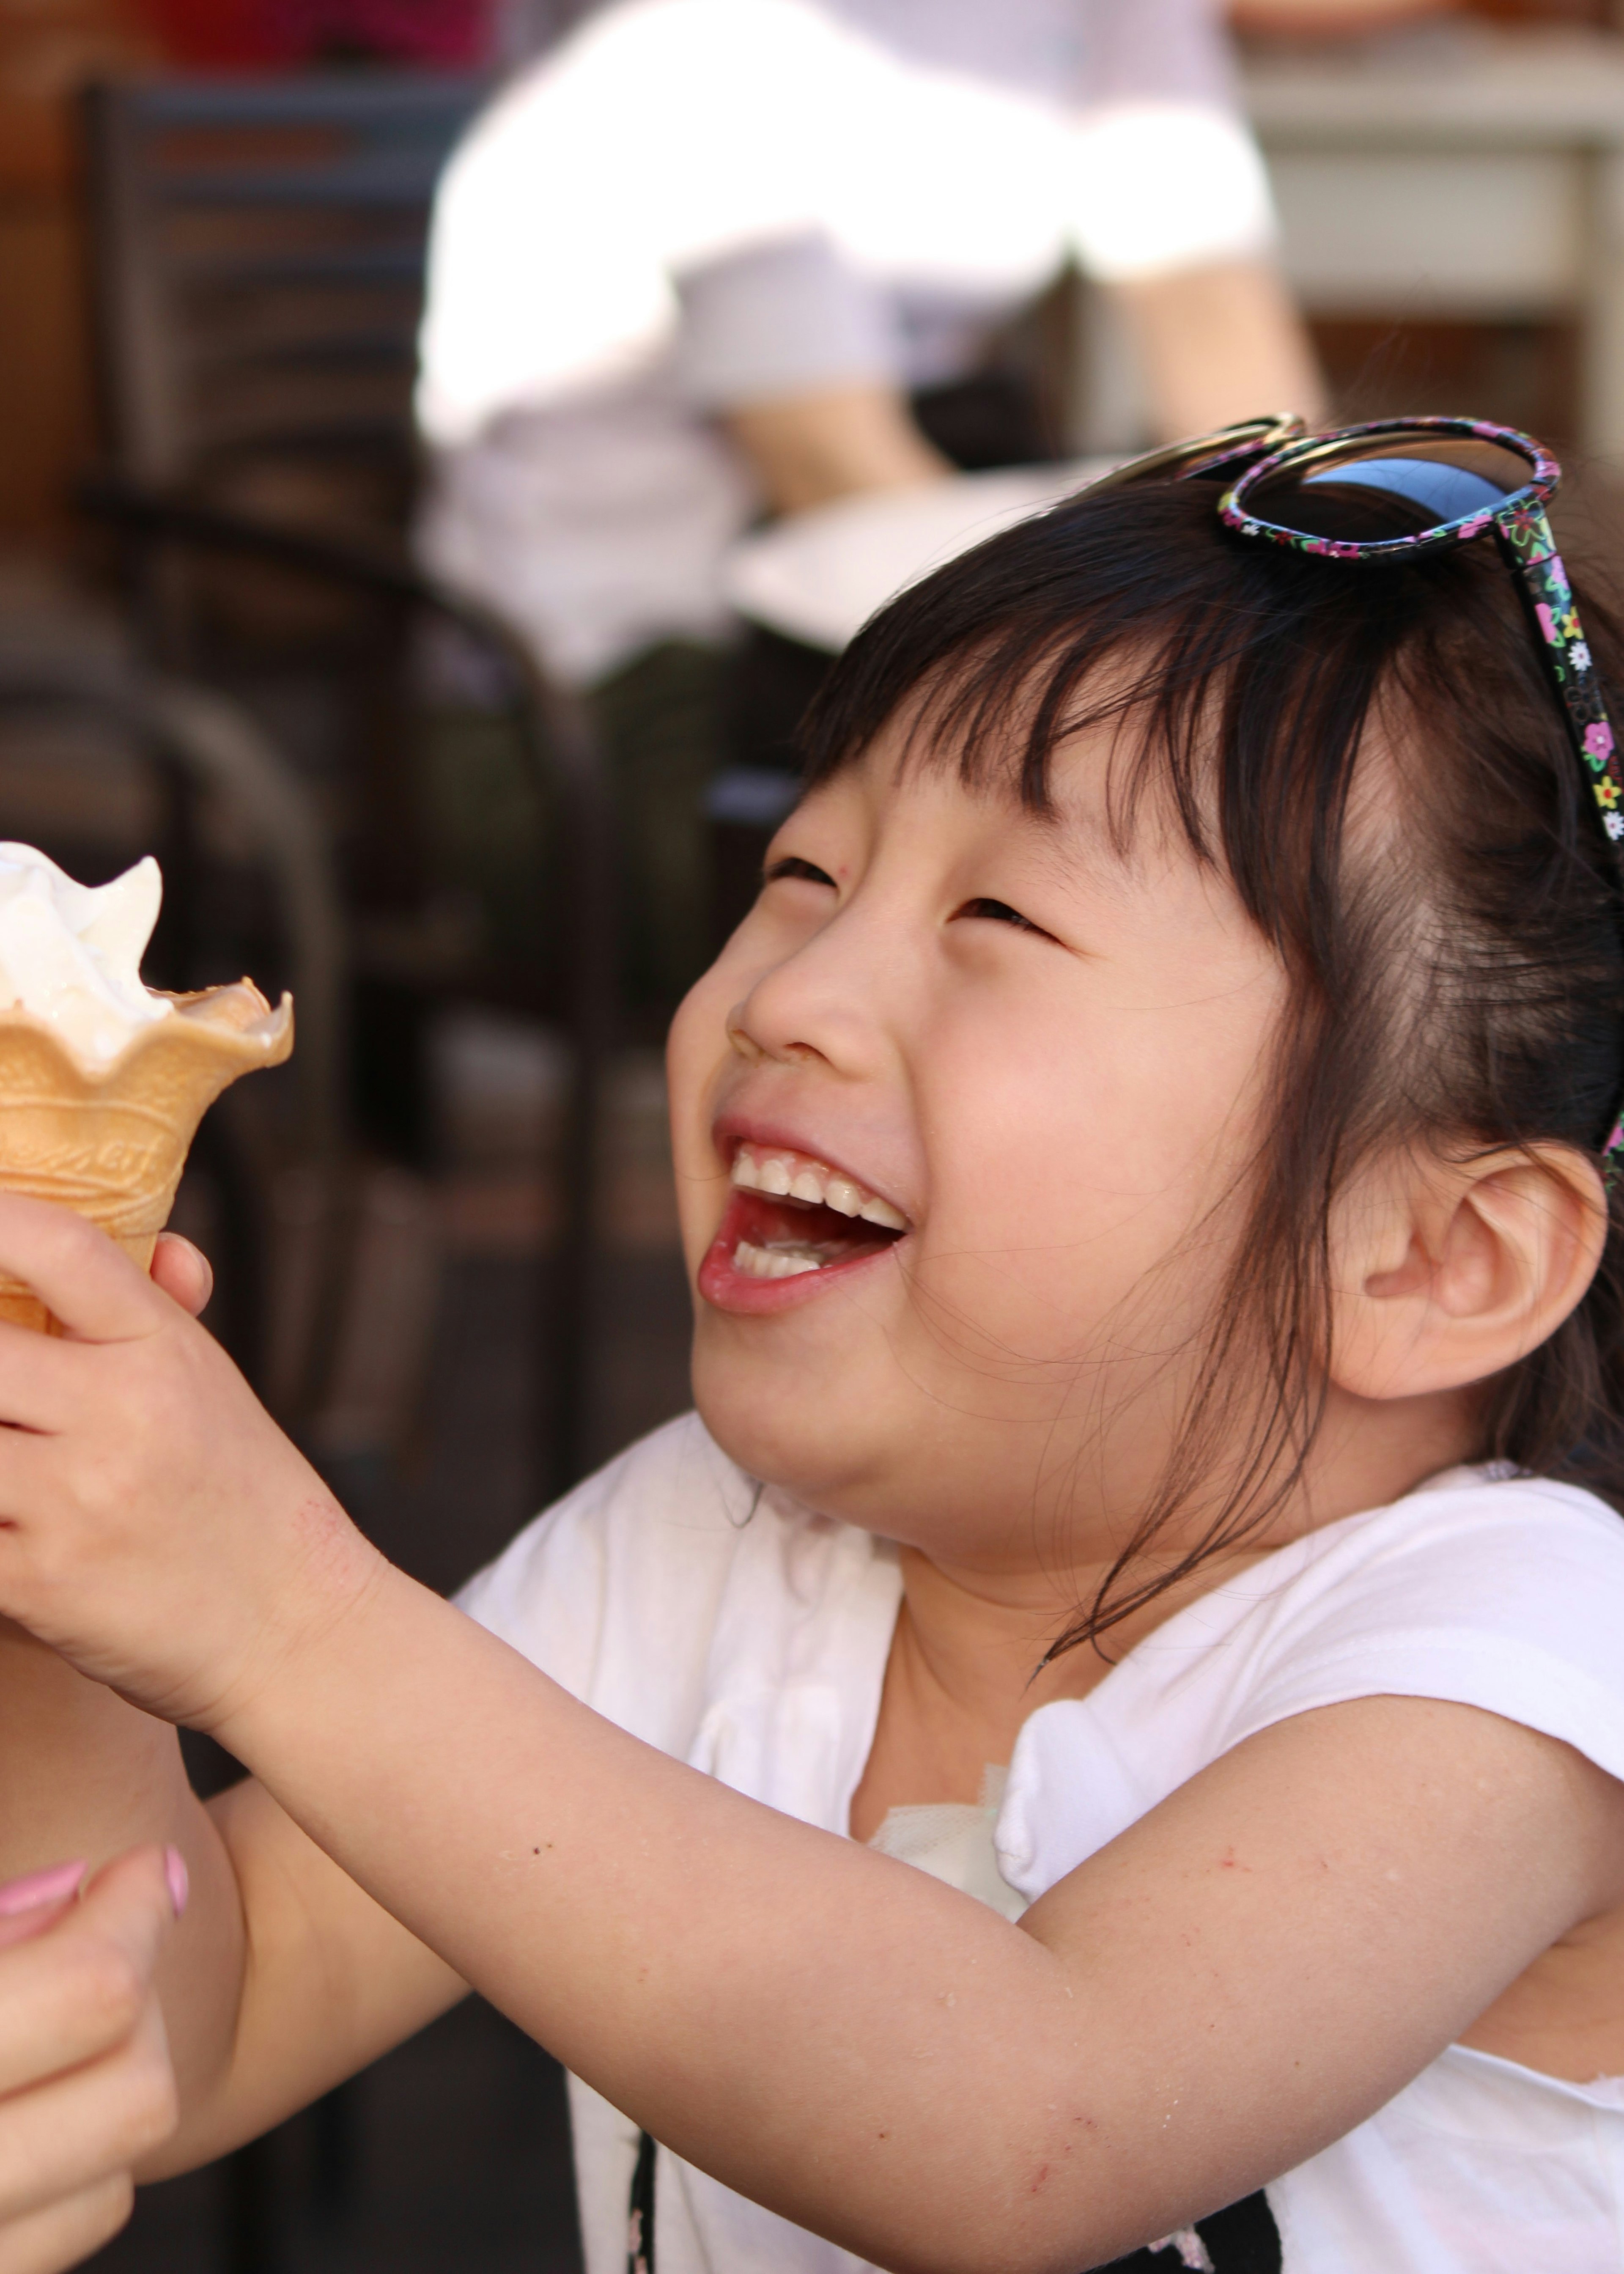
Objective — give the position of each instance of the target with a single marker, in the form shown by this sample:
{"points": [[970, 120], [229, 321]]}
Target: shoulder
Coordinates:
{"points": [[628, 1589], [651, 1528], [1497, 1590], [1496, 1584], [1501, 1593]]}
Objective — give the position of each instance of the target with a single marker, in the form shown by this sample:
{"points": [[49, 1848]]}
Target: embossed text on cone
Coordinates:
{"points": [[111, 1141]]}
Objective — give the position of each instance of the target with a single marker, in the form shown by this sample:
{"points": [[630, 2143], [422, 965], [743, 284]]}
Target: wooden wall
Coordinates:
{"points": [[47, 47]]}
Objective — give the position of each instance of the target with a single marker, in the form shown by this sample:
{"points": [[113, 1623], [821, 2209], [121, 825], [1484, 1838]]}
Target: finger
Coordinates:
{"points": [[59, 2138], [39, 1375], [183, 1272], [30, 1488], [83, 1277], [29, 1905], [76, 1992], [26, 1925], [67, 2233]]}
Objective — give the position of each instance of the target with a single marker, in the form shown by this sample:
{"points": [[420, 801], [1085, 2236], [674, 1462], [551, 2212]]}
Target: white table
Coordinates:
{"points": [[1465, 170], [818, 576]]}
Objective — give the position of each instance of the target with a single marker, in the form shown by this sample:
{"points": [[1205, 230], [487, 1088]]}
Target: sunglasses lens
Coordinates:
{"points": [[1387, 485]]}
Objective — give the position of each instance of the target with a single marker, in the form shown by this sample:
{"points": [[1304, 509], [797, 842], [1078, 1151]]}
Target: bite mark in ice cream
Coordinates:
{"points": [[72, 954]]}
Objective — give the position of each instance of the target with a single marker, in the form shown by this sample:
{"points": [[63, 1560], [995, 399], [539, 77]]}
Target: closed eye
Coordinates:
{"points": [[793, 866], [999, 912]]}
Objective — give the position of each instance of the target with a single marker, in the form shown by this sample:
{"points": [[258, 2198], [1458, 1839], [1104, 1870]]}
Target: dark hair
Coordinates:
{"points": [[1455, 973]]}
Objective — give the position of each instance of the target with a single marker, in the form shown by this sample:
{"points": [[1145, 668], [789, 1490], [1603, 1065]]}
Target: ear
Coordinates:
{"points": [[1444, 1272]]}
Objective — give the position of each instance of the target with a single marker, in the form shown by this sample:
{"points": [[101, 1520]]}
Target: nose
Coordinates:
{"points": [[822, 1005]]}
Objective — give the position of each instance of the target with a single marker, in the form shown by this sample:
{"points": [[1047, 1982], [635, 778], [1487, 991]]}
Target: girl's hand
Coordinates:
{"points": [[86, 2087], [155, 1526]]}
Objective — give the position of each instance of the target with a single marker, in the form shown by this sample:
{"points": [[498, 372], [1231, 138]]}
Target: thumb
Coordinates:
{"points": [[132, 1902], [106, 1946], [183, 1272]]}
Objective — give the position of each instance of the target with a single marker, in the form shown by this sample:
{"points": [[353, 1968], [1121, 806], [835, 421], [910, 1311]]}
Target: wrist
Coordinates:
{"points": [[329, 1575]]}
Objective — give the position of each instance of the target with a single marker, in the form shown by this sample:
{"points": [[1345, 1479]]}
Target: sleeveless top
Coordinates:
{"points": [[745, 1635]]}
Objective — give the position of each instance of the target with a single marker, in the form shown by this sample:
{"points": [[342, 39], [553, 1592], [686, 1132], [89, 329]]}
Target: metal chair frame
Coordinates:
{"points": [[178, 407]]}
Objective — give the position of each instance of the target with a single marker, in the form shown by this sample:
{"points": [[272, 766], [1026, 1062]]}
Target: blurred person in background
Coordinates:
{"points": [[698, 261]]}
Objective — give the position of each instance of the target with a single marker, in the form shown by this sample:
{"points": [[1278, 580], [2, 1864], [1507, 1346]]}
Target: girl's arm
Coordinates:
{"points": [[1248, 1972], [284, 1977], [329, 1982], [281, 1978], [1252, 1968]]}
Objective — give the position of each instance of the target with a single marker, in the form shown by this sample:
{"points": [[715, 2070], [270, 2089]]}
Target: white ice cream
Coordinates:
{"points": [[72, 954]]}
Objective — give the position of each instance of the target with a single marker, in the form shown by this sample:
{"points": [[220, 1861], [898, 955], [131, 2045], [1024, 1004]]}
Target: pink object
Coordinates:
{"points": [[1599, 739], [179, 1879], [41, 1888]]}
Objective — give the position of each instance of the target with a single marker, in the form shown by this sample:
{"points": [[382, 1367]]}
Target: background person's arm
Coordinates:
{"points": [[1172, 216], [808, 449], [1332, 18], [1213, 343], [1219, 342], [798, 357]]}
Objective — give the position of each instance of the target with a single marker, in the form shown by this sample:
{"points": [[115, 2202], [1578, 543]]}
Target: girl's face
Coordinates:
{"points": [[959, 1115]]}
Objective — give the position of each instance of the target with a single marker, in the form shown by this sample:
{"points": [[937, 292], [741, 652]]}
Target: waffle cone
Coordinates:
{"points": [[112, 1142]]}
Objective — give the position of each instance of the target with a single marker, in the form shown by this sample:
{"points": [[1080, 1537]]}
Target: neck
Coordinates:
{"points": [[966, 1663]]}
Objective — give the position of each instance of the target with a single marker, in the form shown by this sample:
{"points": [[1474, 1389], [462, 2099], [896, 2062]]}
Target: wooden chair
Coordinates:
{"points": [[257, 263]]}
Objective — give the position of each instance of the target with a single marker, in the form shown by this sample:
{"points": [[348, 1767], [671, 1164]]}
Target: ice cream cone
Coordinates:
{"points": [[111, 1140]]}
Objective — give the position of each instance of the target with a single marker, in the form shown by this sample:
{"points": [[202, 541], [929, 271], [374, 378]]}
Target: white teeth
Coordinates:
{"points": [[793, 1177], [772, 1262]]}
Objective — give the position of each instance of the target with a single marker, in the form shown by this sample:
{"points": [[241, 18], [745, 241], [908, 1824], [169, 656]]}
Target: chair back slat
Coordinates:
{"points": [[258, 255]]}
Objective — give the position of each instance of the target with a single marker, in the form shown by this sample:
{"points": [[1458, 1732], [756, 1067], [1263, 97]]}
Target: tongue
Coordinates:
{"points": [[794, 1227]]}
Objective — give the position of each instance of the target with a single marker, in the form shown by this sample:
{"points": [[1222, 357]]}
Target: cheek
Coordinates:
{"points": [[1069, 1166], [695, 1051]]}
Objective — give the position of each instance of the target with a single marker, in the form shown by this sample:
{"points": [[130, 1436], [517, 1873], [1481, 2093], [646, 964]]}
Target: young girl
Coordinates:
{"points": [[1160, 1371]]}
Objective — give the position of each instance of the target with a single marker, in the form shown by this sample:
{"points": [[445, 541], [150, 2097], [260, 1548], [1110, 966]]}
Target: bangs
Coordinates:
{"points": [[1237, 681], [1000, 658]]}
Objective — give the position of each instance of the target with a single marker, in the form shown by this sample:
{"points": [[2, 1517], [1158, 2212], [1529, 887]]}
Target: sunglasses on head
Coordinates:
{"points": [[1395, 488]]}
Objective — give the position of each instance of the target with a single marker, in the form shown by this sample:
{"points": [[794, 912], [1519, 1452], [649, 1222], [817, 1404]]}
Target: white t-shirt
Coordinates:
{"points": [[739, 1632]]}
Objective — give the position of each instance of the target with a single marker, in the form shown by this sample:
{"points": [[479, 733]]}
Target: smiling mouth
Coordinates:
{"points": [[790, 1215]]}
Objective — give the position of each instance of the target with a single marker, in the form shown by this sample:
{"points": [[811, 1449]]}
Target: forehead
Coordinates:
{"points": [[1108, 806]]}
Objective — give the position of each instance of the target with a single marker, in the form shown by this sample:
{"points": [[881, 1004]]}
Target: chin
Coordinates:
{"points": [[778, 1429]]}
